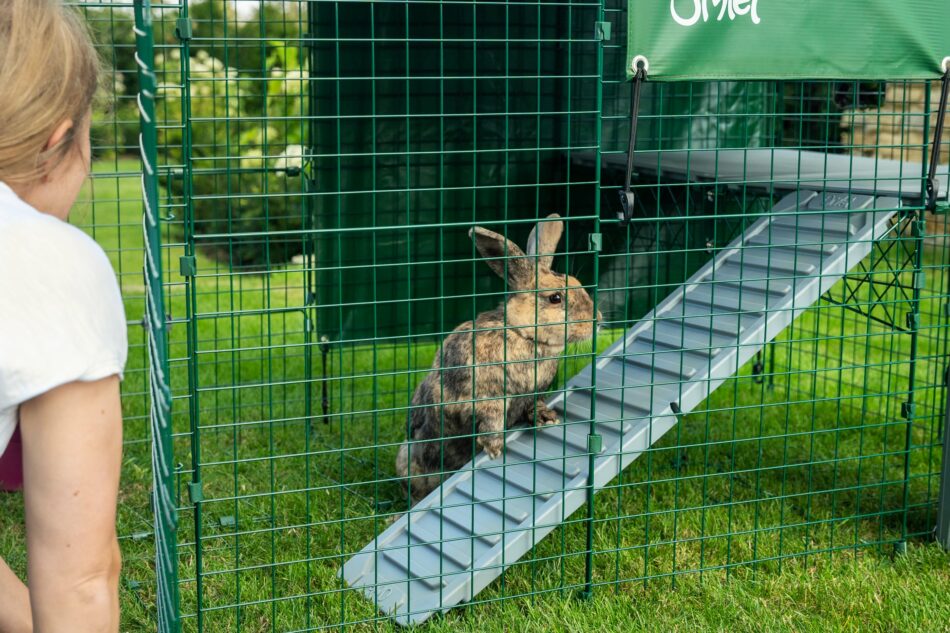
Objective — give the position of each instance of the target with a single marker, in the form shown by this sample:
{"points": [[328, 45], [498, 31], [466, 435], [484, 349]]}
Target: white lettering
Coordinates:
{"points": [[699, 9], [727, 8], [726, 4]]}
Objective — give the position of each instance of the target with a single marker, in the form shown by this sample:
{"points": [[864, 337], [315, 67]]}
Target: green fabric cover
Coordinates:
{"points": [[789, 39]]}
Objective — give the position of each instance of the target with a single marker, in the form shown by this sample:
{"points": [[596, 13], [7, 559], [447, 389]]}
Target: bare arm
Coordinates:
{"points": [[72, 452], [14, 603]]}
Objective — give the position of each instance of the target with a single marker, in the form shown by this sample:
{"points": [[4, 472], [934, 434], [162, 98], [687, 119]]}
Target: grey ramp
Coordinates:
{"points": [[487, 515], [783, 169]]}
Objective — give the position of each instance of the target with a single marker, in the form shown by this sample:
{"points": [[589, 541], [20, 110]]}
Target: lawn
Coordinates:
{"points": [[787, 497]]}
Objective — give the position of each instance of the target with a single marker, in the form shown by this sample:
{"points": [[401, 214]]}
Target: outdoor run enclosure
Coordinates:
{"points": [[767, 381]]}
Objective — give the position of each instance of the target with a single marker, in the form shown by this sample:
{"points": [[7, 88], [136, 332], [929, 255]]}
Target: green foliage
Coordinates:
{"points": [[244, 146], [115, 116]]}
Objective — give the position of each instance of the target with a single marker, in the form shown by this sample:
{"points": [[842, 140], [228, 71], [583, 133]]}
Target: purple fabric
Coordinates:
{"points": [[11, 464]]}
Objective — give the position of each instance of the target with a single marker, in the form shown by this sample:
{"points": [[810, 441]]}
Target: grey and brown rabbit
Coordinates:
{"points": [[492, 374]]}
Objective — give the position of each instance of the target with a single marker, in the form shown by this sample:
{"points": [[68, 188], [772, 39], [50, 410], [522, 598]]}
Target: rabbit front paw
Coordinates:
{"points": [[545, 416], [491, 444]]}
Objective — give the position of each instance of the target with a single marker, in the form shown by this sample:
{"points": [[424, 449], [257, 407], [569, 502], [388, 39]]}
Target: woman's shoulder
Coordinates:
{"points": [[61, 312], [34, 242]]}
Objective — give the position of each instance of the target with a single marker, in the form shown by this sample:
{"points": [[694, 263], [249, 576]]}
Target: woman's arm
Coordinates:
{"points": [[14, 603], [72, 453]]}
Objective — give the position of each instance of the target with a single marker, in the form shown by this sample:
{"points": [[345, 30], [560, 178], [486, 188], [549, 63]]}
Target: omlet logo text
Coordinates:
{"points": [[732, 8]]}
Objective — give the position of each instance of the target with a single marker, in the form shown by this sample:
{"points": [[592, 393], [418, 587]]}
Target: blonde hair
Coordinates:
{"points": [[49, 72]]}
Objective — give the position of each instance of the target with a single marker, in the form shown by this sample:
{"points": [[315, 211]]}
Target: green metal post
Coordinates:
{"points": [[593, 439], [163, 497], [913, 324], [191, 303]]}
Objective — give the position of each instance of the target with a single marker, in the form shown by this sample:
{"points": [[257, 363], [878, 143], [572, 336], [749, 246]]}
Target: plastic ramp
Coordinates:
{"points": [[486, 516]]}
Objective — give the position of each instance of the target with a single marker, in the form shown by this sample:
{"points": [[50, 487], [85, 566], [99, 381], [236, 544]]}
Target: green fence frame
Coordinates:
{"points": [[163, 490]]}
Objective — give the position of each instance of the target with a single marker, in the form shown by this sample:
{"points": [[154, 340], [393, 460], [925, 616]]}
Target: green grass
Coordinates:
{"points": [[788, 497]]}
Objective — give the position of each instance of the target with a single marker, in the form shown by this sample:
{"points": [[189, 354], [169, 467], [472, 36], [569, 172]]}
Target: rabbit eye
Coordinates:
{"points": [[555, 298]]}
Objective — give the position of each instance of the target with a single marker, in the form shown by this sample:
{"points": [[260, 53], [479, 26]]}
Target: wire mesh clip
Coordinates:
{"points": [[627, 197], [907, 410], [187, 265], [595, 242], [183, 29], [595, 444], [602, 31]]}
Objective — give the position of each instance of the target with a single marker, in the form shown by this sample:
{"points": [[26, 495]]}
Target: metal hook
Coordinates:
{"points": [[639, 66]]}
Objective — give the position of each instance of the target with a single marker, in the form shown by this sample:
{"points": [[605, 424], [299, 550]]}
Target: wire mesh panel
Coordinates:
{"points": [[370, 310], [373, 136], [823, 441]]}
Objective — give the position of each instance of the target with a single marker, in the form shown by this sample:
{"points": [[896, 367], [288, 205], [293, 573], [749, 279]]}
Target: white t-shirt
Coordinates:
{"points": [[61, 314]]}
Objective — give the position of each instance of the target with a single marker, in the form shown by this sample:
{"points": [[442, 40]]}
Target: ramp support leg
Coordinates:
{"points": [[595, 443], [943, 509]]}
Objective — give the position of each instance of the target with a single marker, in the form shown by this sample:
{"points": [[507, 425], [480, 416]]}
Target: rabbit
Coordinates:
{"points": [[512, 352]]}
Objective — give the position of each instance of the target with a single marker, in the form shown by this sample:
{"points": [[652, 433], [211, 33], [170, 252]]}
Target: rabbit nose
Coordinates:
{"points": [[600, 317]]}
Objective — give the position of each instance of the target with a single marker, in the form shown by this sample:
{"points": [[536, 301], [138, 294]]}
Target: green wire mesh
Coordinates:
{"points": [[317, 167]]}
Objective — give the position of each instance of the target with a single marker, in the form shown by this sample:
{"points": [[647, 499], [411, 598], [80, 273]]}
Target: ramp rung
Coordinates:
{"points": [[680, 338], [670, 362], [830, 225], [774, 260], [613, 428], [701, 355], [486, 537], [610, 378], [719, 320], [554, 438], [500, 505], [504, 481], [563, 435], [643, 399], [451, 549], [750, 278], [572, 413], [622, 410], [401, 558], [807, 241], [809, 233], [578, 435], [743, 287], [546, 460], [730, 298]]}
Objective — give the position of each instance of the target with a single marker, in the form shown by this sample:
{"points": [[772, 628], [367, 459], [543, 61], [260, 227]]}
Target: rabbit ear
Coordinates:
{"points": [[544, 239], [503, 256]]}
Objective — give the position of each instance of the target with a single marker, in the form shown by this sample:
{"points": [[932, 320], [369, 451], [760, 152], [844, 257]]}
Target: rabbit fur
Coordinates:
{"points": [[492, 374]]}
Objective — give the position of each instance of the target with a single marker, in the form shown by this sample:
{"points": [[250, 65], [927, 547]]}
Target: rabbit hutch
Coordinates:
{"points": [[726, 353]]}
